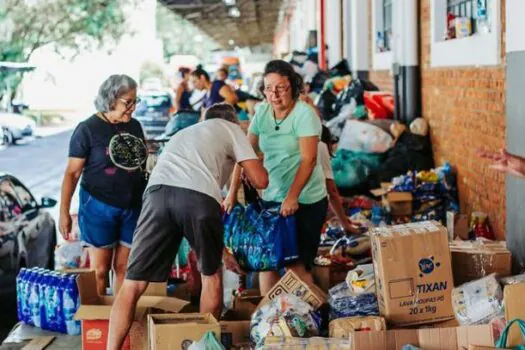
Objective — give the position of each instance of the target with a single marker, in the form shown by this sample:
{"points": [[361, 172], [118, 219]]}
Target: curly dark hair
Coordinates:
{"points": [[284, 69]]}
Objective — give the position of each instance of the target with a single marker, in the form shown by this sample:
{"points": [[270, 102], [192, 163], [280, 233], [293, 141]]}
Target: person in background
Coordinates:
{"points": [[183, 93], [108, 151], [286, 131], [505, 162], [183, 199], [324, 156], [216, 92], [222, 74]]}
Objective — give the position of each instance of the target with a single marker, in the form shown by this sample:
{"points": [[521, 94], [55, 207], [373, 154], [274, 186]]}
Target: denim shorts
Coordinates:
{"points": [[104, 226]]}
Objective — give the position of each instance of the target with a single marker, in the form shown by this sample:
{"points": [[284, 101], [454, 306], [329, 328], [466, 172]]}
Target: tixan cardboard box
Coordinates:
{"points": [[413, 273]]}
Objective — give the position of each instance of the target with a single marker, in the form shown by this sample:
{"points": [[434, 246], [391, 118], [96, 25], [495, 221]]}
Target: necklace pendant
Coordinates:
{"points": [[277, 127]]}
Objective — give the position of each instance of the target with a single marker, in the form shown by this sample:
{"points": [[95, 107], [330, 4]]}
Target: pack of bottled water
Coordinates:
{"points": [[48, 300]]}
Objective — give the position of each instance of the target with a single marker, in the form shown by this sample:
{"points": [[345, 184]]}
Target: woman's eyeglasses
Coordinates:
{"points": [[130, 103], [279, 89]]}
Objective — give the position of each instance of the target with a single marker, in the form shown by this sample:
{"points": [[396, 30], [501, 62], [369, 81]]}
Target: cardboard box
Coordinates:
{"points": [[345, 328], [179, 331], [475, 260], [328, 276], [244, 305], [235, 331], [457, 226], [291, 284], [514, 308], [94, 313], [399, 203], [429, 338], [413, 273], [315, 343]]}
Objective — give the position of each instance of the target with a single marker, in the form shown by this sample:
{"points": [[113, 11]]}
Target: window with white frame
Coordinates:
{"points": [[464, 17], [382, 25], [465, 32], [387, 24]]}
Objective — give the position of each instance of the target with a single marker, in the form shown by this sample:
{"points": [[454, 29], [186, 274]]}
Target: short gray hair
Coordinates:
{"points": [[111, 90]]}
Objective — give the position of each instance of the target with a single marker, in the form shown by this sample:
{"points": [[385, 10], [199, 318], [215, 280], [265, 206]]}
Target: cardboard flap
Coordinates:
{"points": [[87, 287], [93, 312], [290, 283], [157, 289], [395, 197], [189, 319], [167, 304]]}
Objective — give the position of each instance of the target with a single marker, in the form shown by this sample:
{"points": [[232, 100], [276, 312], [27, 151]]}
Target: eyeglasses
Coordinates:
{"points": [[130, 103], [279, 89]]}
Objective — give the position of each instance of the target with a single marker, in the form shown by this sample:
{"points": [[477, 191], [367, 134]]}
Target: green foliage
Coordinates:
{"points": [[66, 24], [151, 70]]}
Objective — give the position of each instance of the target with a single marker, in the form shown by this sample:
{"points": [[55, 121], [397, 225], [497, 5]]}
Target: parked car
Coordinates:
{"points": [[16, 127], [153, 112], [28, 237]]}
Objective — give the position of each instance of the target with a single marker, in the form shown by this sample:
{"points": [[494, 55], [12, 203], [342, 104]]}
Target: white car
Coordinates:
{"points": [[16, 127]]}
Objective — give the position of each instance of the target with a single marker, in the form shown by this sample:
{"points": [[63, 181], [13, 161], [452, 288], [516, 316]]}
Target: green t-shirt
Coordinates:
{"points": [[282, 155]]}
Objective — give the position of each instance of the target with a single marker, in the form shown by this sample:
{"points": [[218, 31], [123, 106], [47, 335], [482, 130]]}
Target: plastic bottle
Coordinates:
{"points": [[52, 304], [26, 292], [34, 304], [19, 297], [43, 287], [60, 286], [70, 304]]}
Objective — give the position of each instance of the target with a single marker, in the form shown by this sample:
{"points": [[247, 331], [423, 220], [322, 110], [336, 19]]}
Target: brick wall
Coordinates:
{"points": [[465, 107]]}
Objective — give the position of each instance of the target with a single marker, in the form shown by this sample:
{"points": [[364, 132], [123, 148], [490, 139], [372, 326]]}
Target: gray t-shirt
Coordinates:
{"points": [[202, 157]]}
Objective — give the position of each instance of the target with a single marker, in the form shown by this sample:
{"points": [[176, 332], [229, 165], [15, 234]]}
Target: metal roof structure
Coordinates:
{"points": [[242, 23]]}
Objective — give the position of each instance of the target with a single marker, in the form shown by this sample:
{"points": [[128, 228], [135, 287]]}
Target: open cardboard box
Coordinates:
{"points": [[475, 260], [290, 283], [399, 203], [179, 331], [457, 338], [94, 314], [235, 329]]}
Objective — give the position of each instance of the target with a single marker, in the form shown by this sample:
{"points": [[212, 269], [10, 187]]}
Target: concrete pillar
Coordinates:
{"points": [[407, 82], [333, 31], [359, 58]]}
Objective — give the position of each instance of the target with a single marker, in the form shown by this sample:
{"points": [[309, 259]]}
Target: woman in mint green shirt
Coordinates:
{"points": [[286, 132]]}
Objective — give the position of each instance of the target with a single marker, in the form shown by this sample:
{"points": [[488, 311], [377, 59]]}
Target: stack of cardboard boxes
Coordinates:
{"points": [[415, 270]]}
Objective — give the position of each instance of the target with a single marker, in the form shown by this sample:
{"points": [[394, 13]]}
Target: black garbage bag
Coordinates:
{"points": [[325, 104], [340, 69], [355, 90], [318, 81], [411, 152]]}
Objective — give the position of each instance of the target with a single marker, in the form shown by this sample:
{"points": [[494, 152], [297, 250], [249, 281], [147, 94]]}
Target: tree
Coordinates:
{"points": [[151, 70], [66, 24]]}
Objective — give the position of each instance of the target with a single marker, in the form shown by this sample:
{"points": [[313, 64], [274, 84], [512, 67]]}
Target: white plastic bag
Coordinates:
{"points": [[285, 316], [336, 125], [478, 302], [69, 255], [364, 137]]}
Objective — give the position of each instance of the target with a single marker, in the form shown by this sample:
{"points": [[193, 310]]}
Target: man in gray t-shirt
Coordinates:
{"points": [[183, 199]]}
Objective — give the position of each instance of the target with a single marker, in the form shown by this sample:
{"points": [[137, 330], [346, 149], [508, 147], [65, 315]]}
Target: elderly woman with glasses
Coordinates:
{"points": [[109, 152], [287, 131]]}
